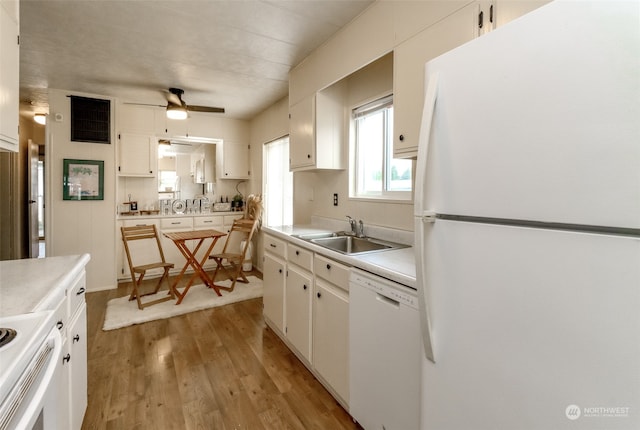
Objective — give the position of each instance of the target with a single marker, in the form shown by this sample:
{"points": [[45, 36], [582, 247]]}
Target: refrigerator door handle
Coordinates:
{"points": [[423, 144], [423, 302]]}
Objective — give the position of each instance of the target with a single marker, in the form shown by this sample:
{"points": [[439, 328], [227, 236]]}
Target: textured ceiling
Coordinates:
{"points": [[234, 54]]}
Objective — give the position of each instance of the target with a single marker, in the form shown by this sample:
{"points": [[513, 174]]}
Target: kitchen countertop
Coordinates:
{"points": [[397, 265], [34, 284]]}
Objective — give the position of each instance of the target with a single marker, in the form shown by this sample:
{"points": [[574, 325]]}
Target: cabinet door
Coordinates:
{"points": [[138, 155], [136, 119], [64, 387], [273, 280], [298, 310], [507, 10], [331, 336], [408, 73], [9, 81], [301, 133], [77, 341], [235, 161]]}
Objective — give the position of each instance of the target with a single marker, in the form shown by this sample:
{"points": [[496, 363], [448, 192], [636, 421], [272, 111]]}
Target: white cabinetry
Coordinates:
{"points": [[298, 293], [234, 161], [331, 325], [408, 73], [306, 302], [72, 323], [274, 277], [138, 155], [409, 57], [9, 75], [316, 130]]}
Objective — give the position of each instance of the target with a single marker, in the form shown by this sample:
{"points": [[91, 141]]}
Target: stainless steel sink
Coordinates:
{"points": [[355, 245]]}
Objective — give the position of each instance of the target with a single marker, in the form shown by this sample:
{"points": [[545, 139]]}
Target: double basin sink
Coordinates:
{"points": [[348, 244]]}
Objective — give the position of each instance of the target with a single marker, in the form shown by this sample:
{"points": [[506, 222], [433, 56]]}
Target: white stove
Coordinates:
{"points": [[28, 365]]}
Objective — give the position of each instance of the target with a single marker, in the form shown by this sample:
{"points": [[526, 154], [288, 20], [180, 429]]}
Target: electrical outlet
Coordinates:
{"points": [[335, 199]]}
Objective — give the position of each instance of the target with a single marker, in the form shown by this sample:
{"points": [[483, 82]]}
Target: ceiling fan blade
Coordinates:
{"points": [[205, 109]]}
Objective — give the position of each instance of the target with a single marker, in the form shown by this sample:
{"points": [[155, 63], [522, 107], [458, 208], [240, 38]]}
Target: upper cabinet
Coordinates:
{"points": [[408, 73], [9, 75], [473, 20], [138, 155], [233, 160], [316, 130]]}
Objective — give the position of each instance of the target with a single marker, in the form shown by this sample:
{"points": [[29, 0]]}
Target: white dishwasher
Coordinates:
{"points": [[384, 353]]}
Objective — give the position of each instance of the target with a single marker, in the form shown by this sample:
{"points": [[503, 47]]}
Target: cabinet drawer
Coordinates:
{"points": [[275, 246], [75, 294], [300, 257], [214, 222], [181, 223], [332, 271], [139, 222]]}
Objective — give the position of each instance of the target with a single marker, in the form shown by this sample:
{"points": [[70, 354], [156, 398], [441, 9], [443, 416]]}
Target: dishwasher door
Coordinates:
{"points": [[385, 353]]}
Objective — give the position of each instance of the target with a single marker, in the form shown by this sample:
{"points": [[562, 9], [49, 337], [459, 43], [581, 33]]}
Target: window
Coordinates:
{"points": [[376, 174], [277, 183]]}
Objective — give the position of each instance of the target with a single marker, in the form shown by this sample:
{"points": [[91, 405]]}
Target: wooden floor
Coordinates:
{"points": [[220, 368]]}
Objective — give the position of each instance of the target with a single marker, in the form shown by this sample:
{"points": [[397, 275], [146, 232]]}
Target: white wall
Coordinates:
{"points": [[88, 226]]}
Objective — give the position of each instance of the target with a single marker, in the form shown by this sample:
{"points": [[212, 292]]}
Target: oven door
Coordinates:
{"points": [[31, 403]]}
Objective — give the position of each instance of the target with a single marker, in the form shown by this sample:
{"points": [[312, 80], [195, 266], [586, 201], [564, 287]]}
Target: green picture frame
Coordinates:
{"points": [[82, 180]]}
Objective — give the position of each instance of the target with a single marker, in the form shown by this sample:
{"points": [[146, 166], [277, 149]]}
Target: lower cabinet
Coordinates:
{"points": [[72, 323], [77, 341], [273, 280], [331, 326], [306, 302], [299, 288]]}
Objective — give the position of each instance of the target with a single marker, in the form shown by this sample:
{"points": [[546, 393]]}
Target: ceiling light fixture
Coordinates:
{"points": [[175, 111], [40, 118]]}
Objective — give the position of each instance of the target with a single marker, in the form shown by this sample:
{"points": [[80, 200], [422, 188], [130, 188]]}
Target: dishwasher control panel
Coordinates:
{"points": [[389, 289]]}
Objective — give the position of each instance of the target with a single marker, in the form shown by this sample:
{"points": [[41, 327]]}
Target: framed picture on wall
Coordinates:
{"points": [[83, 180]]}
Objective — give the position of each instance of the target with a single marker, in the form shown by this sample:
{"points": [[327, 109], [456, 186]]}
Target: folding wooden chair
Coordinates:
{"points": [[146, 232], [242, 229]]}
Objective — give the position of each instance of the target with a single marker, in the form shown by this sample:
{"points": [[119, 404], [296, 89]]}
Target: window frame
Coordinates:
{"points": [[265, 192], [382, 101]]}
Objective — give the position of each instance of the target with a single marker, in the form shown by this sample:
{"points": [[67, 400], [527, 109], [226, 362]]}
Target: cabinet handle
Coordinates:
{"points": [[304, 287], [297, 252], [272, 245], [66, 358], [80, 291], [491, 13], [328, 266], [480, 19], [279, 270], [318, 294], [308, 155], [401, 137], [59, 324], [76, 338]]}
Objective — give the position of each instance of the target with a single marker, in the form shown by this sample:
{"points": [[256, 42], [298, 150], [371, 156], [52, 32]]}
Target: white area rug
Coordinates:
{"points": [[122, 313]]}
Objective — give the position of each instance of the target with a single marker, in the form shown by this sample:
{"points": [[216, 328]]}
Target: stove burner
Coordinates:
{"points": [[6, 335]]}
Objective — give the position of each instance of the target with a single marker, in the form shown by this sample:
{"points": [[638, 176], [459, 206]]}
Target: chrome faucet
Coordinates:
{"points": [[357, 229], [352, 223]]}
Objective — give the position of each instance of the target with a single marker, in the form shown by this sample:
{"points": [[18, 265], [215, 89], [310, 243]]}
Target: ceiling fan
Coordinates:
{"points": [[178, 109]]}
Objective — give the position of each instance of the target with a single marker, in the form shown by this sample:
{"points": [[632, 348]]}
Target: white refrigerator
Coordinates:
{"points": [[527, 205]]}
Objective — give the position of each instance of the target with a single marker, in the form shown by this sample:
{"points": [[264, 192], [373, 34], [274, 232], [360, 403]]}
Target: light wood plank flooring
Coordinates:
{"points": [[220, 368]]}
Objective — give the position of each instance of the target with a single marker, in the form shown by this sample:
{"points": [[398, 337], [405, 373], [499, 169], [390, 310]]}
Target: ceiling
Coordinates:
{"points": [[234, 54]]}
